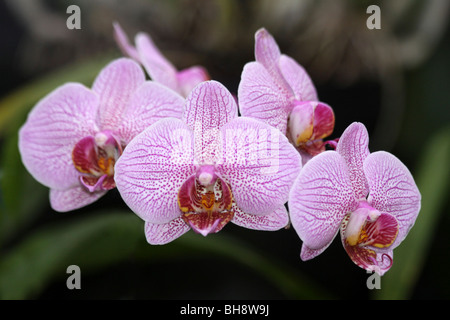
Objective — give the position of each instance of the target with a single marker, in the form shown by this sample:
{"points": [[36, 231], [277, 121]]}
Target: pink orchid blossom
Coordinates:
{"points": [[207, 169], [370, 197], [157, 66], [277, 90], [74, 136]]}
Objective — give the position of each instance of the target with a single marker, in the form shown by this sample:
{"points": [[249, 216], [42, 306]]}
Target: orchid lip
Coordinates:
{"points": [[94, 157], [205, 201]]}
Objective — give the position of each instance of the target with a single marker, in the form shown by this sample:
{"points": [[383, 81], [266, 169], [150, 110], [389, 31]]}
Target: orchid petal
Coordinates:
{"points": [[191, 77], [123, 42], [149, 103], [165, 233], [273, 221], [320, 198], [267, 51], [153, 167], [115, 84], [73, 198], [157, 66], [260, 97], [308, 254], [259, 163], [353, 146], [392, 190], [208, 108], [298, 79], [52, 129]]}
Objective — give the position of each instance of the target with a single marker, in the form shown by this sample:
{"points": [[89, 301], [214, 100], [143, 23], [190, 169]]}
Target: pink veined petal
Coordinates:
{"points": [[320, 198], [148, 104], [393, 190], [268, 54], [260, 97], [208, 108], [298, 79], [259, 163], [73, 198], [115, 84], [267, 51], [308, 254], [166, 232], [276, 220], [123, 42], [353, 146], [157, 66], [52, 129], [153, 167], [191, 77]]}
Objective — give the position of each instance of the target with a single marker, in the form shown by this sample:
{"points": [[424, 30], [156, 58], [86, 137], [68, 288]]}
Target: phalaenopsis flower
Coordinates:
{"points": [[74, 136], [207, 169], [370, 197], [157, 66], [277, 90]]}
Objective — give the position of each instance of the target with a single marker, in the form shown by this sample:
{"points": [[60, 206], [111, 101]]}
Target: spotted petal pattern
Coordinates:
{"points": [[152, 169], [259, 163], [166, 232], [270, 222], [51, 131], [353, 146], [209, 107], [149, 103], [319, 200], [115, 85], [393, 190]]}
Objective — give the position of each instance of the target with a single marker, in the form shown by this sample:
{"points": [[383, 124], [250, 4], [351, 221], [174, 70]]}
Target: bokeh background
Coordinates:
{"points": [[396, 80]]}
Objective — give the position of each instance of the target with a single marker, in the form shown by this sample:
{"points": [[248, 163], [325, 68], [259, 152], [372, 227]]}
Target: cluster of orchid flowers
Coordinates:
{"points": [[185, 153]]}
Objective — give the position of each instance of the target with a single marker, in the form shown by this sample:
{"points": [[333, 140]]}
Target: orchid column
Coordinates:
{"points": [[207, 169]]}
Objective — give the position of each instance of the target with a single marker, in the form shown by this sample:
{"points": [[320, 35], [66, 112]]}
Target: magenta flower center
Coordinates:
{"points": [[365, 230], [206, 200], [94, 158]]}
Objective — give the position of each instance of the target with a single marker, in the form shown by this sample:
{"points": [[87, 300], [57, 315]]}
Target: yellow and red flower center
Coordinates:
{"points": [[94, 158], [365, 232], [308, 124], [205, 201]]}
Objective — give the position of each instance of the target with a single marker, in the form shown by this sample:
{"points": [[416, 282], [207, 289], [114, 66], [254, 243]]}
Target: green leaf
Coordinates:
{"points": [[432, 179]]}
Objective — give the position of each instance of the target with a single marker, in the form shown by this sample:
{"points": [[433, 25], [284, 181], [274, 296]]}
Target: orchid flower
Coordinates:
{"points": [[74, 136], [207, 169], [157, 66], [370, 197], [277, 90]]}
